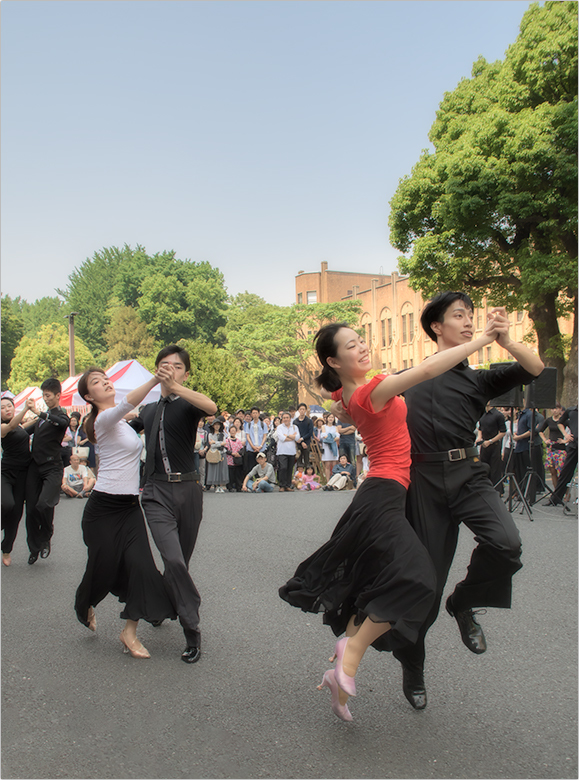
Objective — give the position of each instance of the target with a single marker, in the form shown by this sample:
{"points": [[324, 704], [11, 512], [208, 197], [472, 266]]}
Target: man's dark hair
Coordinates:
{"points": [[255, 409], [435, 309], [304, 405], [174, 349], [51, 385]]}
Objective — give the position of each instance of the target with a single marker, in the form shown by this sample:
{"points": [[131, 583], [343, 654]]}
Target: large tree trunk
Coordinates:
{"points": [[569, 390], [544, 318]]}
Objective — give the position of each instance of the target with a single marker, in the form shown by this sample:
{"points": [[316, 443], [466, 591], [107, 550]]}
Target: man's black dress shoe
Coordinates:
{"points": [[32, 558], [470, 631], [45, 552], [156, 623], [413, 687], [191, 654]]}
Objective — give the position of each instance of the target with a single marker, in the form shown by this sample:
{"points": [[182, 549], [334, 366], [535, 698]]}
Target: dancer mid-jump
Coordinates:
{"points": [[373, 578]]}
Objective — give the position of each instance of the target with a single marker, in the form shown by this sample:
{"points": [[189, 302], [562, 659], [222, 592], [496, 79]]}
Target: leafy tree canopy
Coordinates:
{"points": [[46, 354], [275, 342], [494, 208], [12, 332], [174, 298], [126, 335]]}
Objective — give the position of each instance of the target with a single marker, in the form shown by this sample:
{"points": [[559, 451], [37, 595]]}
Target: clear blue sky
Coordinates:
{"points": [[263, 137]]}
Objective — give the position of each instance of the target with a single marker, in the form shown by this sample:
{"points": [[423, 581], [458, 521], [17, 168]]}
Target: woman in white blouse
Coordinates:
{"points": [[119, 556]]}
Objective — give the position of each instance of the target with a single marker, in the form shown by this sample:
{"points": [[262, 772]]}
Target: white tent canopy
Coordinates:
{"points": [[126, 375]]}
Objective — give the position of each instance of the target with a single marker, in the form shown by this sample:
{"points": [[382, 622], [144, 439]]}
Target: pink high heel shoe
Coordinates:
{"points": [[346, 683], [340, 710]]}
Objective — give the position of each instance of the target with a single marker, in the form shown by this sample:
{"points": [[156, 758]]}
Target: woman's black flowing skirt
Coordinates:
{"points": [[373, 566], [120, 561]]}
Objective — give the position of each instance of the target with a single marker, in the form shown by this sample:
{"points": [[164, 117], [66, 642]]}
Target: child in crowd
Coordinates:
{"points": [[309, 480]]}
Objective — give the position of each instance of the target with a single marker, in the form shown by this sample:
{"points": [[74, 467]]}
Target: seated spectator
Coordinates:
{"points": [[261, 478], [75, 480], [297, 481], [343, 476], [309, 480], [90, 474]]}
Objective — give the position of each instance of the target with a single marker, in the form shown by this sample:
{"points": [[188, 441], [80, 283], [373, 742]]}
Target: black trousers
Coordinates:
{"points": [[441, 497], [42, 495], [13, 494], [173, 511], [286, 467], [567, 472], [303, 458], [235, 477]]}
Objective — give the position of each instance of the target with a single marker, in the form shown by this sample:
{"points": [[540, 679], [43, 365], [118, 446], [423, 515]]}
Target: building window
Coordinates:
{"points": [[390, 336], [300, 297], [369, 334], [411, 362], [411, 329], [404, 331], [479, 320], [312, 296], [520, 316], [480, 357], [383, 365], [384, 334], [489, 353]]}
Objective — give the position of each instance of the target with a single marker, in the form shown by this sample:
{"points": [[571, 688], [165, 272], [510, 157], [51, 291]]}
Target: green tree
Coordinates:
{"points": [[494, 208], [12, 332], [275, 342], [221, 376], [41, 312], [46, 354], [126, 335]]}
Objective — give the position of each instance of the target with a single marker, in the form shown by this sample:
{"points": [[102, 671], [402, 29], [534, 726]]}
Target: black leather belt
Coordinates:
{"points": [[450, 455], [176, 476]]}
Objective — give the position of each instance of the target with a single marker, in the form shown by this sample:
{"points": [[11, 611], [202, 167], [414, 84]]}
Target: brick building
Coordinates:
{"points": [[391, 316]]}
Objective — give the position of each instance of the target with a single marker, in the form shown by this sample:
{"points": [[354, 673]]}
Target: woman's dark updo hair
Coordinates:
{"points": [[324, 342], [90, 418]]}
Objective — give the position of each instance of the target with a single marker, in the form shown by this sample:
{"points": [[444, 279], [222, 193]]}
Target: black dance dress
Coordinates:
{"points": [[113, 526], [373, 565], [16, 458]]}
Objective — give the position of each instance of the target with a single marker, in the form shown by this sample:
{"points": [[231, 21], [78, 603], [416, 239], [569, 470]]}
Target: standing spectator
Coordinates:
{"points": [[287, 433], [347, 434], [507, 444], [45, 472], [343, 475], [200, 449], [525, 457], [235, 450], [70, 439], [306, 429], [271, 444], [261, 478], [331, 441], [217, 470], [569, 419], [15, 462], [84, 441], [256, 434], [492, 430], [75, 479], [555, 443]]}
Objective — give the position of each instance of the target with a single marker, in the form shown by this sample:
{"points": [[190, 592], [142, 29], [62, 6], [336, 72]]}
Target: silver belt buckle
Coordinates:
{"points": [[458, 454], [174, 476]]}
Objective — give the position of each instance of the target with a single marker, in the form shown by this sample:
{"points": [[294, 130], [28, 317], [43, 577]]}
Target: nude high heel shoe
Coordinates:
{"points": [[136, 649], [346, 683], [91, 617], [340, 710], [6, 559]]}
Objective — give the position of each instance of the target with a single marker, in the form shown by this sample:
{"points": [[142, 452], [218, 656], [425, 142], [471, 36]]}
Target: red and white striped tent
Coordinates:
{"points": [[29, 392], [125, 375]]}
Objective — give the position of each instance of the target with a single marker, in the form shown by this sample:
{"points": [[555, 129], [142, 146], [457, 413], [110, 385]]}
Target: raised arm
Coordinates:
{"points": [[191, 396], [431, 367], [522, 354], [5, 428]]}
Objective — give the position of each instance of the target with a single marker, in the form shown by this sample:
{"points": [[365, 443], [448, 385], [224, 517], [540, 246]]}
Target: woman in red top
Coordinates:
{"points": [[373, 579]]}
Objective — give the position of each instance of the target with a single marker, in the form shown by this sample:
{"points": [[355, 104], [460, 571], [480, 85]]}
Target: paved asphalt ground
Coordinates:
{"points": [[74, 706]]}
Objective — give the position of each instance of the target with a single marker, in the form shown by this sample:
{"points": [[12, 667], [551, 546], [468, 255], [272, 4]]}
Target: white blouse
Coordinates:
{"points": [[119, 452]]}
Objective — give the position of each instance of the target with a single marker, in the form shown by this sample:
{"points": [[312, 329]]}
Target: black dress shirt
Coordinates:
{"points": [[491, 423], [180, 422], [49, 432], [443, 412], [16, 449], [305, 427]]}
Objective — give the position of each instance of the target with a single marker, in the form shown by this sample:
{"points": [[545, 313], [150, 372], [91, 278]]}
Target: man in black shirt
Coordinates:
{"points": [[306, 428], [172, 498], [45, 472], [492, 430], [450, 486]]}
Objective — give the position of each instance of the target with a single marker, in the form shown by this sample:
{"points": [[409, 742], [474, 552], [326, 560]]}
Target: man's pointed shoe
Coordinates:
{"points": [[470, 630], [191, 654], [414, 689]]}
